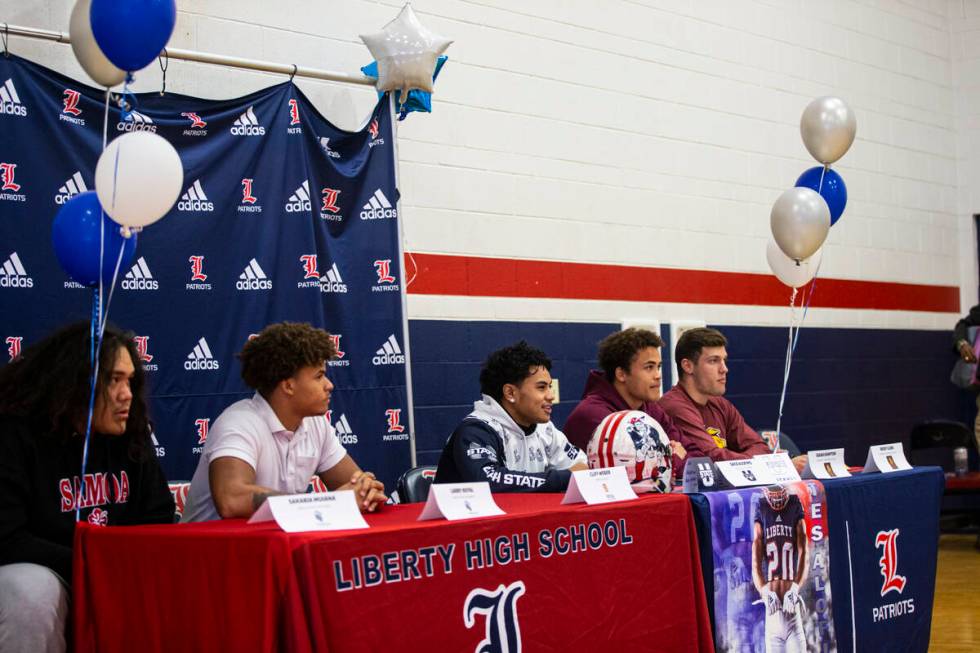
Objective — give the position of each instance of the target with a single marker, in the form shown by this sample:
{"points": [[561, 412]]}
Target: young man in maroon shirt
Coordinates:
{"points": [[629, 380], [709, 424]]}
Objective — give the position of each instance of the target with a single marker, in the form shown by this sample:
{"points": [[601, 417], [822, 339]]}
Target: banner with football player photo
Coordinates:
{"points": [[772, 569], [282, 216]]}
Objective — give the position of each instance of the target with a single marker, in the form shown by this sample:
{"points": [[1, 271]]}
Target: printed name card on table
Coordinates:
{"points": [[459, 501], [886, 458], [779, 466], [825, 463], [745, 473], [298, 513], [599, 486]]}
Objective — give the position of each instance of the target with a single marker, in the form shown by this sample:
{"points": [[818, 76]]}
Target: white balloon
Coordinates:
{"points": [[800, 222], [828, 127], [87, 51], [138, 178], [406, 53], [793, 274]]}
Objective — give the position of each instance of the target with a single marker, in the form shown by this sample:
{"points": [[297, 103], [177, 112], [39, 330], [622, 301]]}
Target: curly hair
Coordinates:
{"points": [[48, 384], [620, 348], [280, 351], [510, 365], [692, 341]]}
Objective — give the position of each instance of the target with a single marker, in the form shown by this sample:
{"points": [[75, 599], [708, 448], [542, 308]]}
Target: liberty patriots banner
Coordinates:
{"points": [[771, 569], [887, 526], [283, 217]]}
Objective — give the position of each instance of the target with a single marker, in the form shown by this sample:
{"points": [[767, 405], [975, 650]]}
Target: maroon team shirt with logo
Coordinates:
{"points": [[716, 430]]}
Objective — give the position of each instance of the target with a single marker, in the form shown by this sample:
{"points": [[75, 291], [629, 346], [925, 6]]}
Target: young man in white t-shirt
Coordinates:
{"points": [[273, 442]]}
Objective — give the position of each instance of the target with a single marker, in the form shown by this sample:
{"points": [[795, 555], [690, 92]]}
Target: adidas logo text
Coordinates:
{"points": [[201, 358], [161, 452], [13, 274], [253, 278], [136, 122], [378, 208], [72, 187], [331, 282], [389, 353], [194, 199], [299, 201], [9, 101], [139, 277], [247, 125], [344, 432], [325, 144]]}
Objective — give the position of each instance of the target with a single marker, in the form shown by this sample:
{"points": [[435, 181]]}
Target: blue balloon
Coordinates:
{"points": [[132, 33], [833, 190], [418, 100], [76, 233]]}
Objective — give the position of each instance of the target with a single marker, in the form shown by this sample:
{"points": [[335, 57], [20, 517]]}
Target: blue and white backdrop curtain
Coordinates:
{"points": [[283, 217]]}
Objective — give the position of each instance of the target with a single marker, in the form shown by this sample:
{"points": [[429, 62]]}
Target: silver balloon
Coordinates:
{"points": [[406, 52], [800, 222], [828, 127], [793, 273], [87, 51]]}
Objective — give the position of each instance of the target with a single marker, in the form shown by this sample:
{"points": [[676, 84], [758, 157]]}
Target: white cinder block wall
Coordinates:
{"points": [[649, 133]]}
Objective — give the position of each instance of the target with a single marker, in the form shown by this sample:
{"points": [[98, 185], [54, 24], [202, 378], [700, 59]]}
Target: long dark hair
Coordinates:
{"points": [[48, 384]]}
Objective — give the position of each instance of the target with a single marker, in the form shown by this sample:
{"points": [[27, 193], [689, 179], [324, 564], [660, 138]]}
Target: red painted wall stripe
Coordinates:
{"points": [[442, 274]]}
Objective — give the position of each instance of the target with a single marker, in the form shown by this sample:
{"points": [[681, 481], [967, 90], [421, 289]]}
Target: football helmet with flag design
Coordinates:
{"points": [[635, 440]]}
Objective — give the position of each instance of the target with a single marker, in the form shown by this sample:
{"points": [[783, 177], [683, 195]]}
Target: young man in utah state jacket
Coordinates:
{"points": [[508, 440]]}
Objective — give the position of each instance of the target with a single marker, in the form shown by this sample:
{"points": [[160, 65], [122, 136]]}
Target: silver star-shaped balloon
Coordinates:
{"points": [[406, 52]]}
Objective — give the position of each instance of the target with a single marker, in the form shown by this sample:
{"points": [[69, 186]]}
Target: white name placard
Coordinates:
{"points": [[459, 501], [744, 473], [886, 458], [298, 513], [825, 463], [599, 486], [779, 466]]}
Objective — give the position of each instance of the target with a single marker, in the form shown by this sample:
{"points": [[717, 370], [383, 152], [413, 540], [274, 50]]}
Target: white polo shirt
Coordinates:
{"points": [[283, 460]]}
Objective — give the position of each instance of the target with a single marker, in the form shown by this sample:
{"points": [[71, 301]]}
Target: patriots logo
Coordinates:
{"points": [[502, 631], [888, 563]]}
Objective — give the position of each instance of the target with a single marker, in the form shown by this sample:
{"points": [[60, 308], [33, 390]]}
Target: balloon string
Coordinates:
{"points": [[99, 319], [105, 120], [127, 104], [806, 308], [127, 99], [822, 173], [95, 346], [105, 138], [788, 364], [112, 287]]}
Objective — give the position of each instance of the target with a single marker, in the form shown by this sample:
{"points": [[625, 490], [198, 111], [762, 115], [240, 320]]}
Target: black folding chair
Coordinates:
{"points": [[786, 442], [932, 442], [413, 485]]}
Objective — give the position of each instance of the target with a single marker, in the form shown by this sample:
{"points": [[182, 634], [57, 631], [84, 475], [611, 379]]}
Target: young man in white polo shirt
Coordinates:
{"points": [[273, 442]]}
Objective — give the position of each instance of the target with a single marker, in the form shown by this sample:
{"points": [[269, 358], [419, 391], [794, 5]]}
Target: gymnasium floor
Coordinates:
{"points": [[956, 612]]}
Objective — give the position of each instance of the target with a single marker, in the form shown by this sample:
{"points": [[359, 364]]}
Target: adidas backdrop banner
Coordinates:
{"points": [[283, 217], [779, 533]]}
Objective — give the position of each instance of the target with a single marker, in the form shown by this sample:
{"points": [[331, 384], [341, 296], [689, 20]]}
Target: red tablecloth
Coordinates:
{"points": [[623, 576], [967, 482]]}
